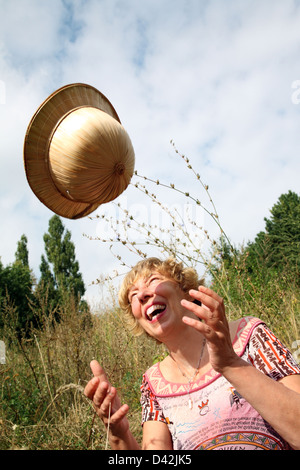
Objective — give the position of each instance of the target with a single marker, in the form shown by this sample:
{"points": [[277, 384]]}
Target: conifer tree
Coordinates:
{"points": [[59, 268], [16, 285], [283, 232]]}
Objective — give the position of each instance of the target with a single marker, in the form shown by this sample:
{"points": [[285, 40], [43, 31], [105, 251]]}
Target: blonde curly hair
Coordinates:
{"points": [[187, 278]]}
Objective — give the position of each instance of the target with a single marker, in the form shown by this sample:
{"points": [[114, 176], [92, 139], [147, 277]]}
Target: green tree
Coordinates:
{"points": [[59, 269], [273, 258], [277, 249], [283, 232], [21, 254], [16, 288]]}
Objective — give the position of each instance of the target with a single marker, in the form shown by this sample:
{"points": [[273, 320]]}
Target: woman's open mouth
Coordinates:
{"points": [[154, 311]]}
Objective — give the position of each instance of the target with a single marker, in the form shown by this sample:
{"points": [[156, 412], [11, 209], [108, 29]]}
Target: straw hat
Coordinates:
{"points": [[77, 155]]}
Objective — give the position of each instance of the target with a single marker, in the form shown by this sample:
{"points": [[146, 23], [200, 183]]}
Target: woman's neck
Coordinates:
{"points": [[185, 350]]}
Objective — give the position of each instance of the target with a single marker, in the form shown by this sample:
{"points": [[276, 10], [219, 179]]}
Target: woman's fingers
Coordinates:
{"points": [[91, 387], [212, 309], [98, 370], [208, 297], [98, 389], [119, 415], [102, 397]]}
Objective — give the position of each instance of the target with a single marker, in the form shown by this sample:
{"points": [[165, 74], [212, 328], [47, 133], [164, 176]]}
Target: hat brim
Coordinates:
{"points": [[36, 145]]}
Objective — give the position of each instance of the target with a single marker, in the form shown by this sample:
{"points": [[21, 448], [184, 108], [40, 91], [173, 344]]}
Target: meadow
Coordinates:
{"points": [[42, 405]]}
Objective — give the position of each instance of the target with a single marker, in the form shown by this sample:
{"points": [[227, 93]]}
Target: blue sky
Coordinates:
{"points": [[219, 78]]}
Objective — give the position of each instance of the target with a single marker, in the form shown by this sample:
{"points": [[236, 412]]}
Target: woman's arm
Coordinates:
{"points": [[156, 436], [277, 402]]}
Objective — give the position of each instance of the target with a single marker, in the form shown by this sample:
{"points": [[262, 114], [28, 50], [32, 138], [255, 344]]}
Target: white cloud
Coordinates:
{"points": [[214, 76]]}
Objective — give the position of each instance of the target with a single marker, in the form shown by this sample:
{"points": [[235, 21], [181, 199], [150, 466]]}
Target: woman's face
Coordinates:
{"points": [[155, 303]]}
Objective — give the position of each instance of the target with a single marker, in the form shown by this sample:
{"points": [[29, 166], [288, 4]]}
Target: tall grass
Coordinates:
{"points": [[42, 405]]}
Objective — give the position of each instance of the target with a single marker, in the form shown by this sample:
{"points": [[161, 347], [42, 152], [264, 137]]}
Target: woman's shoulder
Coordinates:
{"points": [[155, 369], [245, 323], [152, 371], [241, 331]]}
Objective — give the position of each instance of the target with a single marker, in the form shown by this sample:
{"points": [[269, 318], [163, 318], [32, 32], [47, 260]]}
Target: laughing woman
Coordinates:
{"points": [[222, 386]]}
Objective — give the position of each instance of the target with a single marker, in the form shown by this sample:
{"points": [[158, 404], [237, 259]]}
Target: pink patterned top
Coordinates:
{"points": [[220, 417]]}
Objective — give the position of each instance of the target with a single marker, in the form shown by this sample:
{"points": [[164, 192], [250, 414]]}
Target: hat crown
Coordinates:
{"points": [[91, 158]]}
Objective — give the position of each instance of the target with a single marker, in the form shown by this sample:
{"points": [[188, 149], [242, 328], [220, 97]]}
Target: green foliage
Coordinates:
{"points": [[59, 269], [283, 233], [277, 249], [262, 279], [21, 254], [16, 283], [274, 254], [21, 298]]}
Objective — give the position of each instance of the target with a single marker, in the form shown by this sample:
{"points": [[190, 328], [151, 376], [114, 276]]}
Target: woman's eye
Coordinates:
{"points": [[131, 297], [154, 278]]}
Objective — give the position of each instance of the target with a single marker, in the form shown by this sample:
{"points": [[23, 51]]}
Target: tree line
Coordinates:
{"points": [[60, 277], [272, 257]]}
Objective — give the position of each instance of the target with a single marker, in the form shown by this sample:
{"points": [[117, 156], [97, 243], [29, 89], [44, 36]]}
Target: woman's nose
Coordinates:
{"points": [[143, 295]]}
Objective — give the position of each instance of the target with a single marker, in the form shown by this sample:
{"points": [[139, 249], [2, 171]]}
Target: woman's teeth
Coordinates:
{"points": [[154, 310]]}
